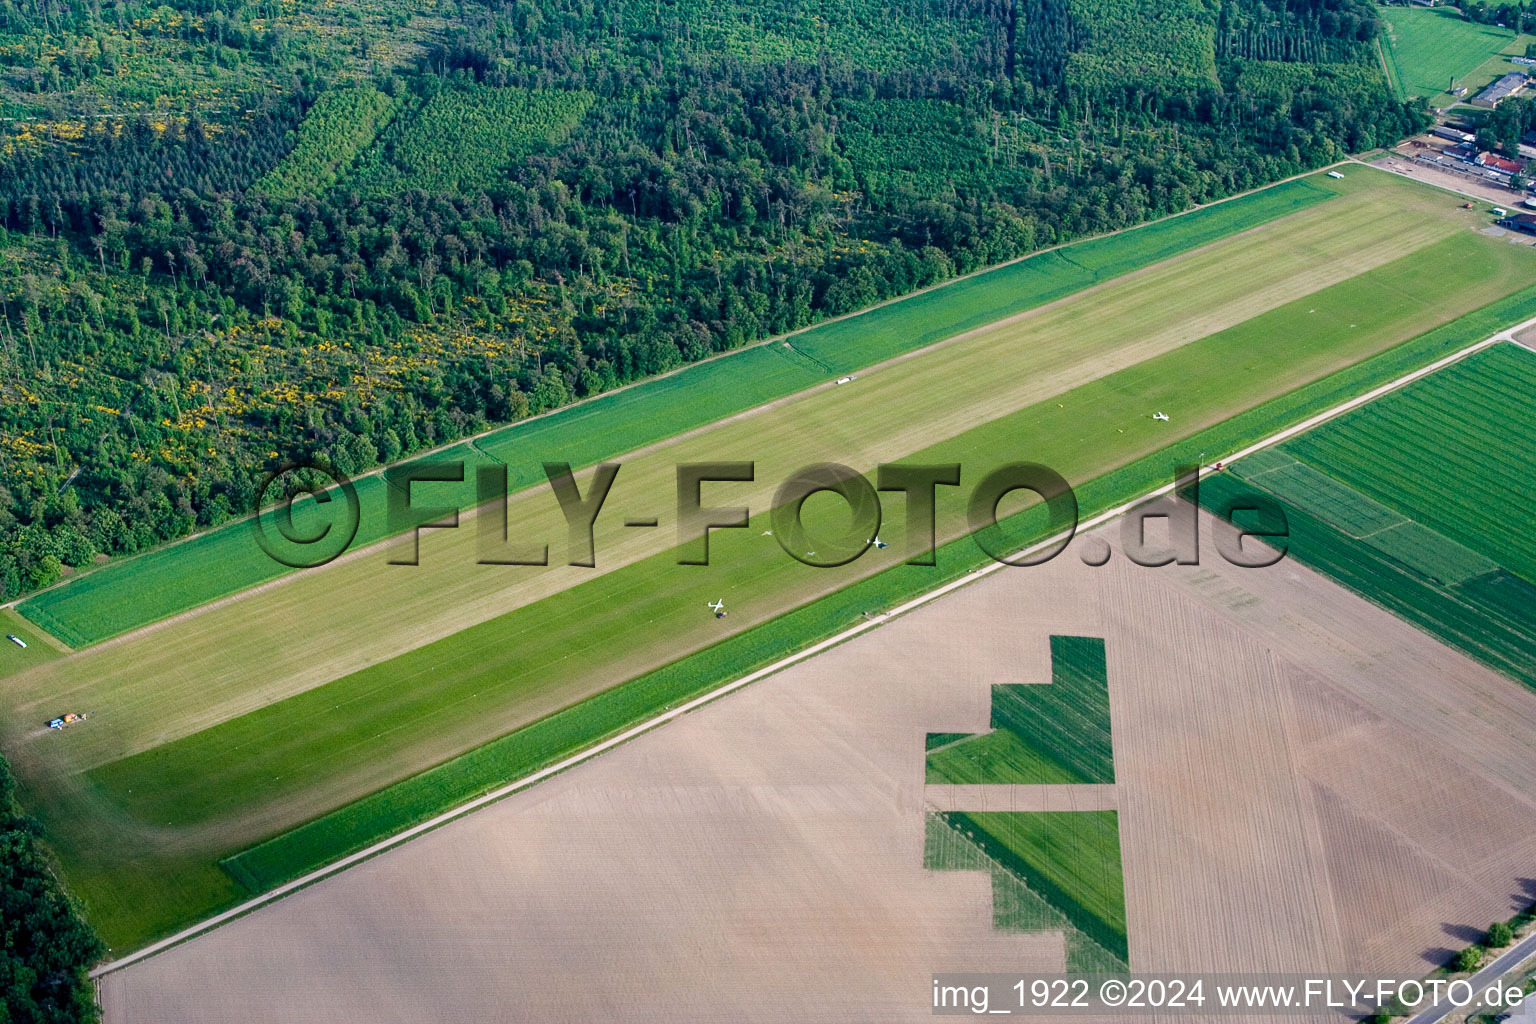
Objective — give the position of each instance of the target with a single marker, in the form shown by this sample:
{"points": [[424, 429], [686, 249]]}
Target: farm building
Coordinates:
{"points": [[1503, 89], [1523, 222], [1445, 131], [1503, 165]]}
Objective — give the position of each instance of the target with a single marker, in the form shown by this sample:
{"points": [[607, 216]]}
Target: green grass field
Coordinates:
{"points": [[1426, 48], [200, 755], [1071, 859], [1055, 733], [134, 592], [40, 647], [330, 731], [1450, 452], [1015, 906], [1444, 455]]}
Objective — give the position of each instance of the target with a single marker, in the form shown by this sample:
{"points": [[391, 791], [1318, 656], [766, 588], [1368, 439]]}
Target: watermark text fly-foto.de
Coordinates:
{"points": [[704, 504]]}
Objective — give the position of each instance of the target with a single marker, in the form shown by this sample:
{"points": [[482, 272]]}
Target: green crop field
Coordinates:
{"points": [[1396, 450], [224, 729], [1015, 906], [1339, 504], [1426, 48], [1438, 454], [1055, 733], [1071, 859], [135, 592]]}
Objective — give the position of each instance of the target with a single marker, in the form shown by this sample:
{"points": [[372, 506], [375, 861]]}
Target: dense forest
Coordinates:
{"points": [[45, 950], [235, 233]]}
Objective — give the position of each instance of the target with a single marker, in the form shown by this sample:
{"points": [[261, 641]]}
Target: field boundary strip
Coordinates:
{"points": [[495, 795], [38, 607]]}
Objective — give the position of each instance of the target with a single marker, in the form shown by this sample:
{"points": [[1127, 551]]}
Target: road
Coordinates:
{"points": [[1506, 961]]}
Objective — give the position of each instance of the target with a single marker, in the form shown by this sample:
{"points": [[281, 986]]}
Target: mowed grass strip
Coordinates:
{"points": [[85, 817], [135, 592], [1053, 733], [222, 661], [1069, 858], [415, 799], [15, 659]]}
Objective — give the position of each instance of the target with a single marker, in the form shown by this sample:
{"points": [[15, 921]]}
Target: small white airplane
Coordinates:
{"points": [[877, 542], [1160, 416], [717, 607]]}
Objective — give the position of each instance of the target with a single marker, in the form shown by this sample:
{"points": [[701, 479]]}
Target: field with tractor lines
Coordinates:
{"points": [[1420, 501], [1297, 773]]}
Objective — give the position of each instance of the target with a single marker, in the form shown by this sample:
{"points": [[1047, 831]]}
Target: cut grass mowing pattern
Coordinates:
{"points": [[1015, 907], [1070, 859], [130, 593], [1055, 733], [1424, 49]]}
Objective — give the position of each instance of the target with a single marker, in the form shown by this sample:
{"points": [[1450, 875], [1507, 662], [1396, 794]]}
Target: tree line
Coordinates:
{"points": [[169, 332]]}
